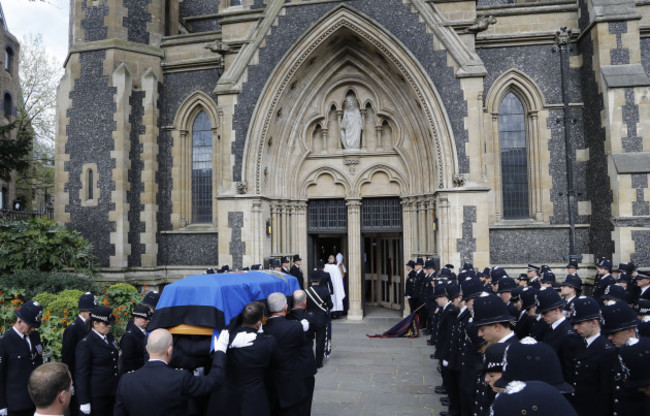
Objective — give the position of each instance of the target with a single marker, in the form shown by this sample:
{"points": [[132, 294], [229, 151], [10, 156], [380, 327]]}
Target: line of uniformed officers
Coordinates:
{"points": [[535, 345], [257, 370]]}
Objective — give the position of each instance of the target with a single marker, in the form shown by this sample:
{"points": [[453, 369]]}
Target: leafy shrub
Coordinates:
{"points": [[57, 315], [44, 245], [45, 299], [10, 300], [122, 297], [35, 282]]}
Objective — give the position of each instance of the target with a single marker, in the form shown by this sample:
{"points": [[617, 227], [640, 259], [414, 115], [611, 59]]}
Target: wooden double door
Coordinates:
{"points": [[383, 270]]}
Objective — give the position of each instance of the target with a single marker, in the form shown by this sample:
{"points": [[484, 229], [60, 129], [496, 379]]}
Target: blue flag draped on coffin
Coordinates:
{"points": [[213, 300]]}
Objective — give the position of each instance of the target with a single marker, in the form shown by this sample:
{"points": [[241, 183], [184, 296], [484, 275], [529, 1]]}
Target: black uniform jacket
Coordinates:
{"points": [[287, 374], [457, 340], [593, 378], [306, 359], [96, 372], [525, 324], [446, 320], [319, 315], [297, 273], [246, 370], [324, 278], [410, 284], [132, 345], [72, 334], [16, 364], [158, 390], [566, 343]]}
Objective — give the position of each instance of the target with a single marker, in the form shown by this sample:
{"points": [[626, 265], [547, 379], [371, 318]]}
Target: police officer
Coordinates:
{"points": [[285, 265], [151, 299], [419, 292], [275, 265], [492, 319], [533, 276], [505, 286], [296, 271], [409, 291], [96, 367], [619, 323], [319, 302], [20, 353], [560, 334], [637, 360], [430, 301], [595, 362], [531, 397], [572, 268], [570, 289], [74, 333], [643, 281], [604, 277], [444, 292], [642, 309], [133, 340], [527, 317], [495, 275], [548, 279]]}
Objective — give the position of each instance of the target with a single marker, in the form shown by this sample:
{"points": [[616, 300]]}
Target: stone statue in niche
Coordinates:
{"points": [[351, 124]]}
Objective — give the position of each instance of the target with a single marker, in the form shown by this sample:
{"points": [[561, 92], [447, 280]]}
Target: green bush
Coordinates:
{"points": [[35, 282], [57, 315], [65, 305], [122, 298], [45, 299], [42, 244]]}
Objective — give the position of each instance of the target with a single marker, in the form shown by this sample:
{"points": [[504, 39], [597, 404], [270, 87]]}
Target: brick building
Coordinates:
{"points": [[194, 133]]}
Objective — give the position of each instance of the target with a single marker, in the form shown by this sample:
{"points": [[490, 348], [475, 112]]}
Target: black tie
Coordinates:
{"points": [[29, 346], [586, 343]]}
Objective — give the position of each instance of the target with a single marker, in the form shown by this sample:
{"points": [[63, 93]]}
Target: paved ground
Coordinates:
{"points": [[376, 376]]}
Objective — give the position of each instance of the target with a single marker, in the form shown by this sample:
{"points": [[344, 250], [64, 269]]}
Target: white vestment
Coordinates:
{"points": [[337, 284]]}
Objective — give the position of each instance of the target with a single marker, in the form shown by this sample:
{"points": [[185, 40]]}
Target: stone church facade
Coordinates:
{"points": [[194, 133]]}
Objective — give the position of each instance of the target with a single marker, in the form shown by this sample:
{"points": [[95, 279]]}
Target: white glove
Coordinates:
{"points": [[261, 330], [222, 342], [408, 297], [199, 371], [445, 363], [85, 408], [3, 412], [243, 339], [305, 325]]}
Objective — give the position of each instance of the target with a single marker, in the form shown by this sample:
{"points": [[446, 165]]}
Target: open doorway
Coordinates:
{"points": [[324, 245]]}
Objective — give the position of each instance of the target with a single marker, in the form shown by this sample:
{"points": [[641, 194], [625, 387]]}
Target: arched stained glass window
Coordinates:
{"points": [[202, 169], [514, 164]]}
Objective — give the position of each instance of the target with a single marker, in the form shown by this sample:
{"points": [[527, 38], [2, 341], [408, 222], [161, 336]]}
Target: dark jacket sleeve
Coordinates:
{"points": [[3, 375], [130, 353], [82, 372], [199, 386], [70, 339], [120, 409]]}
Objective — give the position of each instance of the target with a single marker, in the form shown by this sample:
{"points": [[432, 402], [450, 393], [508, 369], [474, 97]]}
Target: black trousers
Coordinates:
{"points": [[452, 385], [305, 410], [321, 336], [23, 412], [102, 406]]}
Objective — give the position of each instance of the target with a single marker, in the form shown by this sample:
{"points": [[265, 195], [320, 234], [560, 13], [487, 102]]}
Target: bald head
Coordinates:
{"points": [[299, 299], [159, 344]]}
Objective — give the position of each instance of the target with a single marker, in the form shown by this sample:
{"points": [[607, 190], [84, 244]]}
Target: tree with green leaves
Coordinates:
{"points": [[14, 153]]}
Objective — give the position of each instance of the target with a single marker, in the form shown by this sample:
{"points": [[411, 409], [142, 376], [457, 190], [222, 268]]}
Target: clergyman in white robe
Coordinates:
{"points": [[337, 284]]}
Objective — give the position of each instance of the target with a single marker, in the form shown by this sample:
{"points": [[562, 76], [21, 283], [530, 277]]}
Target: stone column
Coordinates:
{"points": [[275, 228], [355, 277], [259, 232], [300, 235], [339, 117], [323, 134], [380, 144]]}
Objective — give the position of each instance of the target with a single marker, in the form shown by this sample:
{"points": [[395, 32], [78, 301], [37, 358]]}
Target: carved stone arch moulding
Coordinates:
{"points": [[192, 105], [392, 173], [312, 179], [428, 98], [524, 87]]}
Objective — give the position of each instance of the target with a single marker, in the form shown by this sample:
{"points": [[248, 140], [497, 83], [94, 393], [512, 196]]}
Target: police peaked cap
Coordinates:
{"points": [[642, 306], [548, 299], [87, 302], [493, 357], [506, 284], [613, 292], [604, 264], [532, 268], [584, 308], [531, 398], [419, 261], [637, 359], [429, 264], [548, 277], [490, 309], [529, 360], [642, 276], [296, 257], [410, 263], [528, 297], [151, 299], [102, 314], [572, 281], [142, 311], [30, 313], [617, 317], [471, 288]]}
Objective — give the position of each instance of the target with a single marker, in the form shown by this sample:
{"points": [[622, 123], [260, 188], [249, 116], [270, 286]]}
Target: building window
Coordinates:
{"points": [[91, 184], [514, 164], [9, 56], [7, 105], [202, 169]]}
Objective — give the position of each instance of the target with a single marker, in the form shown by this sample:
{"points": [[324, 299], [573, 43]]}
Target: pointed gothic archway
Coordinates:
{"points": [[293, 149]]}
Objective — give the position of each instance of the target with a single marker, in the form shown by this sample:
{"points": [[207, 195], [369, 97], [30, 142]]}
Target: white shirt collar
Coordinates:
{"points": [[23, 336], [643, 289], [570, 299], [558, 322], [82, 318], [462, 309], [100, 335], [592, 339], [507, 337]]}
